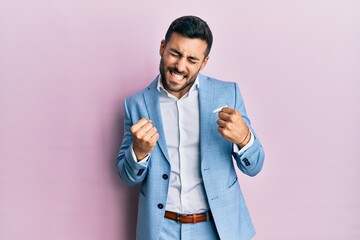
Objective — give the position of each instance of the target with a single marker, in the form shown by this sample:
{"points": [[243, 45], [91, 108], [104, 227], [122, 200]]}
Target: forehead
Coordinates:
{"points": [[187, 46]]}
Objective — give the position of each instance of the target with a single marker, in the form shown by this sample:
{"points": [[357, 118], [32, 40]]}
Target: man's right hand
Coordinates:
{"points": [[145, 136]]}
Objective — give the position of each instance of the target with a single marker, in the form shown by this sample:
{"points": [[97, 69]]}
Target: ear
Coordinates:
{"points": [[203, 64], [162, 47]]}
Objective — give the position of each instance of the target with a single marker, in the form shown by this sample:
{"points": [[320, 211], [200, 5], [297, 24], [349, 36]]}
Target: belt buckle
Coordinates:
{"points": [[177, 217]]}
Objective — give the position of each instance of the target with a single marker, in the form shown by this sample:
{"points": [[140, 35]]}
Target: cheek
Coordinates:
{"points": [[194, 70], [168, 62]]}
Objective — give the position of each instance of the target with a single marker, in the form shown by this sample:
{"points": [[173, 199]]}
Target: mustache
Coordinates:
{"points": [[175, 70]]}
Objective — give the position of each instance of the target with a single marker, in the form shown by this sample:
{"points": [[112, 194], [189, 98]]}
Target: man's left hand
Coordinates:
{"points": [[233, 127]]}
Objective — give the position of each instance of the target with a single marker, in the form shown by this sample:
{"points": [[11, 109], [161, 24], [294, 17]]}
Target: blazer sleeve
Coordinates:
{"points": [[251, 160], [129, 170]]}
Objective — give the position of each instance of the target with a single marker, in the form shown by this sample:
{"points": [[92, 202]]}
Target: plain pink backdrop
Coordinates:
{"points": [[66, 67]]}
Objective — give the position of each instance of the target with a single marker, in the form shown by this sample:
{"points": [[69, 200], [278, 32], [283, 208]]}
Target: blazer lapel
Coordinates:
{"points": [[152, 103], [206, 98]]}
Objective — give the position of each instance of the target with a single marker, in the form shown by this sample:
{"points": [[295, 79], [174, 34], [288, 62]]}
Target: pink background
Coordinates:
{"points": [[66, 66]]}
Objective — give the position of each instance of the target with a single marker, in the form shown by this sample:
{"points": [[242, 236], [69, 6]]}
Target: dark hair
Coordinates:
{"points": [[191, 27]]}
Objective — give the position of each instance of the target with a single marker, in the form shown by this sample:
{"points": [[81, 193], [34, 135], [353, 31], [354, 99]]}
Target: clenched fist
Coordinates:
{"points": [[233, 127], [145, 136]]}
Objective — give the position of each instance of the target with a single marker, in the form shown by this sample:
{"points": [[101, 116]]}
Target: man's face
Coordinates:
{"points": [[182, 59]]}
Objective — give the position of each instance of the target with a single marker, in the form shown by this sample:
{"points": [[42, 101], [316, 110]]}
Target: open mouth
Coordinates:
{"points": [[176, 76]]}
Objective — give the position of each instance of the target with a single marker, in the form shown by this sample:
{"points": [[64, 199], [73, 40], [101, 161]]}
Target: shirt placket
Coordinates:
{"points": [[179, 105]]}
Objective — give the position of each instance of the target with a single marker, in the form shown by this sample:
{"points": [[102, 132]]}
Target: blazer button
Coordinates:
{"points": [[165, 176], [160, 206]]}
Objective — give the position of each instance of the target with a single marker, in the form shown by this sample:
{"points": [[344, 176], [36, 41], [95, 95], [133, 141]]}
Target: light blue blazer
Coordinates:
{"points": [[223, 192]]}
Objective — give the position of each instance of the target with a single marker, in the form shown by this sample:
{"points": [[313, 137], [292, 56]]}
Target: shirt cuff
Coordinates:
{"points": [[143, 162], [243, 149]]}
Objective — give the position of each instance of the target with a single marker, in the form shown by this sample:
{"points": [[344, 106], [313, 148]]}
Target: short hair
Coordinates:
{"points": [[191, 27]]}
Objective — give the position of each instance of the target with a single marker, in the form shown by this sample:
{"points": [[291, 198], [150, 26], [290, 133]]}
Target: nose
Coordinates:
{"points": [[181, 65]]}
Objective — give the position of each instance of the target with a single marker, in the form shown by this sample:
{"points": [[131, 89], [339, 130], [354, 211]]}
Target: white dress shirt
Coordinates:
{"points": [[181, 123]]}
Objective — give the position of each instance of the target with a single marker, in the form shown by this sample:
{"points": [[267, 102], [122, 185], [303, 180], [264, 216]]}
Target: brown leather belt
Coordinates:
{"points": [[188, 218]]}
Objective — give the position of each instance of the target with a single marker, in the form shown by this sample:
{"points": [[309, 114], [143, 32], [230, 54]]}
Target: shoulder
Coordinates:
{"points": [[140, 94], [217, 83]]}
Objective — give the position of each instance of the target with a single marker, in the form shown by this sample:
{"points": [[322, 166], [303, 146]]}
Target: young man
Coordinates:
{"points": [[181, 134]]}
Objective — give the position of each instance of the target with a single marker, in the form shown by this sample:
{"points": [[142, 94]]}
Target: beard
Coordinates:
{"points": [[165, 81]]}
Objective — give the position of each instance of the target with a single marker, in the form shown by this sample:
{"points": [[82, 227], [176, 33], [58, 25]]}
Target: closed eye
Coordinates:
{"points": [[174, 53], [192, 61]]}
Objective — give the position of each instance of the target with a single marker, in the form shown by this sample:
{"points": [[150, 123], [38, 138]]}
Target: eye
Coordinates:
{"points": [[192, 61], [174, 54]]}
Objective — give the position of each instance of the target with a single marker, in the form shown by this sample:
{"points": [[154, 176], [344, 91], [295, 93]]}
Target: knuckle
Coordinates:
{"points": [[132, 129], [156, 136], [137, 135]]}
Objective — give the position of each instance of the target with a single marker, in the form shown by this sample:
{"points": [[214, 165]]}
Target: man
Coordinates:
{"points": [[180, 135]]}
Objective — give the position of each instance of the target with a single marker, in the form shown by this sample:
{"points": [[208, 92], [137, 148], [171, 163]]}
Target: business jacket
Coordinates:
{"points": [[223, 192]]}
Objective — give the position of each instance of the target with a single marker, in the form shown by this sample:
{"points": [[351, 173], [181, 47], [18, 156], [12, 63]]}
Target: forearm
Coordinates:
{"points": [[130, 171], [251, 160]]}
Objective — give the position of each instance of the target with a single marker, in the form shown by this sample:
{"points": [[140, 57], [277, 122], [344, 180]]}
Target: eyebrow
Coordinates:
{"points": [[189, 57]]}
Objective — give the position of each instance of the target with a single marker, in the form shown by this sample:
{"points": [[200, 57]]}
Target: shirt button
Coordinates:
{"points": [[160, 206], [165, 176]]}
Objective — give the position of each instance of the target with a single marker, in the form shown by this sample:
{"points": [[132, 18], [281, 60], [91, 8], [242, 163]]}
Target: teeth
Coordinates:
{"points": [[177, 76]]}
